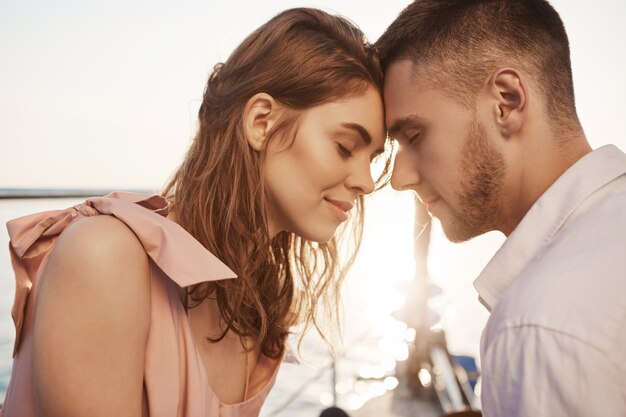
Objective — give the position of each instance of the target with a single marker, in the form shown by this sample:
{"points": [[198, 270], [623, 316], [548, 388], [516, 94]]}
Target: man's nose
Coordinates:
{"points": [[405, 174]]}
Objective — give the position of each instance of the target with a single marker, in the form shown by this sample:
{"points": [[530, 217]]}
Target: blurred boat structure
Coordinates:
{"points": [[432, 382]]}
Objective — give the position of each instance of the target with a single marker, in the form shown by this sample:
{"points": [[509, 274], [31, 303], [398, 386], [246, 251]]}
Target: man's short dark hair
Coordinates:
{"points": [[461, 42]]}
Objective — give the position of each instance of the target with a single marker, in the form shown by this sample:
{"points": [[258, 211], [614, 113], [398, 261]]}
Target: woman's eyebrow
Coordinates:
{"points": [[363, 133]]}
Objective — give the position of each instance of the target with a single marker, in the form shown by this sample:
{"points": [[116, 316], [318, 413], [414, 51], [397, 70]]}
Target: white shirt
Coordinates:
{"points": [[555, 343]]}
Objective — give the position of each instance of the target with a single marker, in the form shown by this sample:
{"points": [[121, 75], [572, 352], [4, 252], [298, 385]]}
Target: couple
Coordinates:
{"points": [[179, 304]]}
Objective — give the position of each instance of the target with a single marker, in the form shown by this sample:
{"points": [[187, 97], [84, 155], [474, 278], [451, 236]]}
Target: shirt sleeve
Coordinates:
{"points": [[537, 371]]}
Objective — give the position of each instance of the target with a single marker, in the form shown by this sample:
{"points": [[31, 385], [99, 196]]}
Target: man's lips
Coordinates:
{"points": [[429, 203]]}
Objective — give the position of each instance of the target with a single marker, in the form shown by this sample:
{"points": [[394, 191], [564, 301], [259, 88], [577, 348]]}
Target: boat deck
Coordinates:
{"points": [[450, 390], [400, 402]]}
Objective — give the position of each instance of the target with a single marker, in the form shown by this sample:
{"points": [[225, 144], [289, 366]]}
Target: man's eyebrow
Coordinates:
{"points": [[413, 120], [360, 130]]}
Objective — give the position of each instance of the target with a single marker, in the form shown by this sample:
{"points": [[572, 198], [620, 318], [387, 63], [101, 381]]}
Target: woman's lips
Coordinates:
{"points": [[340, 208]]}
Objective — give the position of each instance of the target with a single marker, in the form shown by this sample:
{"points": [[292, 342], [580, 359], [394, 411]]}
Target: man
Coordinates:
{"points": [[479, 96]]}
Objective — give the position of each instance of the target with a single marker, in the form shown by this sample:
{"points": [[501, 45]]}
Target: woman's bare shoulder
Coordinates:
{"points": [[93, 318], [101, 246], [98, 258]]}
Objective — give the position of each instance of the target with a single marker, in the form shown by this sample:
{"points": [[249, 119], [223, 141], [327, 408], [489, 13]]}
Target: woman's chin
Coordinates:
{"points": [[319, 235]]}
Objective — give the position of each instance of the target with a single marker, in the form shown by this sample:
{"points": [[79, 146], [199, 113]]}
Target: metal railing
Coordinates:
{"points": [[20, 193]]}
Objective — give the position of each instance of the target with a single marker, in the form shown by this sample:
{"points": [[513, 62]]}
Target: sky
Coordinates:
{"points": [[105, 94]]}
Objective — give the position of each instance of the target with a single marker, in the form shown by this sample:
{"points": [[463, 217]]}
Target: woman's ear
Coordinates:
{"points": [[510, 91], [260, 115]]}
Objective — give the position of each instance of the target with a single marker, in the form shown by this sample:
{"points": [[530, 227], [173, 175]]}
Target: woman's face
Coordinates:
{"points": [[315, 177]]}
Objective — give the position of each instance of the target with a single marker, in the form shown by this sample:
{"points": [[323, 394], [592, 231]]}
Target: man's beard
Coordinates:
{"points": [[483, 168]]}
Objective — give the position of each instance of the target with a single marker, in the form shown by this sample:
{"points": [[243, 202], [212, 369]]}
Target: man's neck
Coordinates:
{"points": [[542, 163]]}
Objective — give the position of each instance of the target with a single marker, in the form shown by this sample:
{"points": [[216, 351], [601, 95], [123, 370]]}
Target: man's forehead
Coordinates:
{"points": [[402, 94], [399, 72]]}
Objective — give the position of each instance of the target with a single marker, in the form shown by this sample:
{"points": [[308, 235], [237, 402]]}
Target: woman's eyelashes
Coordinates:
{"points": [[344, 151]]}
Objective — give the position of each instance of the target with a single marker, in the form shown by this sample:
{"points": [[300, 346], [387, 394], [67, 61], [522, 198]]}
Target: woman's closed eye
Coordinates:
{"points": [[344, 151]]}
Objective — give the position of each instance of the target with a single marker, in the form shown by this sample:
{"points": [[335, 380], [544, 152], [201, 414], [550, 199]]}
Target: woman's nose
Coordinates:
{"points": [[361, 181]]}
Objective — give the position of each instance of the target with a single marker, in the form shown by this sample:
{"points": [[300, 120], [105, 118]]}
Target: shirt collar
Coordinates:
{"points": [[546, 217]]}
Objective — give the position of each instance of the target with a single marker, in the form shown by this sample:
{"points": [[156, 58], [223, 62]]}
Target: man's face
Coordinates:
{"points": [[444, 155]]}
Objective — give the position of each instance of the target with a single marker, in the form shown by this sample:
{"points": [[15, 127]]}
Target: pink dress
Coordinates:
{"points": [[174, 375]]}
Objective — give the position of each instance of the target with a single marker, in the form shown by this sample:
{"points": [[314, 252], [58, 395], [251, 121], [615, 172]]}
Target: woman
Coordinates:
{"points": [[180, 304]]}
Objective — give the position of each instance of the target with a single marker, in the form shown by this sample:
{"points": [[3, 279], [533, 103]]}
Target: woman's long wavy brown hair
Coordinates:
{"points": [[302, 58]]}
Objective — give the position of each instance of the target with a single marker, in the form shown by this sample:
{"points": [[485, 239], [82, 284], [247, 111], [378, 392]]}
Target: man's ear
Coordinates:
{"points": [[260, 115], [510, 91]]}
